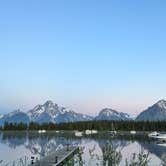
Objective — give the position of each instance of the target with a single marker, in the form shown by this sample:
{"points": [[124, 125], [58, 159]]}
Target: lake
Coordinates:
{"points": [[95, 149]]}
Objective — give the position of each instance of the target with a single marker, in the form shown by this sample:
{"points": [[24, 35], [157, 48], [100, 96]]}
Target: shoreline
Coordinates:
{"points": [[73, 131]]}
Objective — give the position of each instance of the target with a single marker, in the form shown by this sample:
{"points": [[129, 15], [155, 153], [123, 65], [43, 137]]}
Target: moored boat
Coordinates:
{"points": [[157, 135], [41, 131], [162, 143], [78, 134], [89, 132], [94, 131], [133, 132], [112, 133]]}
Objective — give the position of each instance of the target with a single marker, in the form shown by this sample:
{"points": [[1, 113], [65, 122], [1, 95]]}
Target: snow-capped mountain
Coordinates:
{"points": [[15, 117], [50, 112], [72, 116], [45, 113], [110, 114], [156, 112]]}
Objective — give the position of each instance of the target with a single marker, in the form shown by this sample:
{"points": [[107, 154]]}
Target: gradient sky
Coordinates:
{"points": [[83, 54]]}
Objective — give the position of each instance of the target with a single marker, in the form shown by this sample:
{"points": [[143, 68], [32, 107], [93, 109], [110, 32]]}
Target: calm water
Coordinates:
{"points": [[95, 149]]}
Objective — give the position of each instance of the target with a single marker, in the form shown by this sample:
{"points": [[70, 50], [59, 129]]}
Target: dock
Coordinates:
{"points": [[57, 158]]}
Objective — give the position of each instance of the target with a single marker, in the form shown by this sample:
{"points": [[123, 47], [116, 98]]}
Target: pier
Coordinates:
{"points": [[57, 158]]}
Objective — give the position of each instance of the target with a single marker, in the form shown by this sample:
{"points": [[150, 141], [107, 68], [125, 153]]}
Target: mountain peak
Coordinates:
{"points": [[161, 104], [50, 112], [109, 110], [15, 112], [156, 112], [49, 103], [110, 114]]}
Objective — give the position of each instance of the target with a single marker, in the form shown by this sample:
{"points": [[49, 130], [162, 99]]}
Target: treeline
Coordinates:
{"points": [[91, 125]]}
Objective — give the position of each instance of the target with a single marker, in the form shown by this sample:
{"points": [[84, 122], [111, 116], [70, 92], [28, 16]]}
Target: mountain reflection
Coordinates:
{"points": [[153, 148], [104, 149], [12, 139]]}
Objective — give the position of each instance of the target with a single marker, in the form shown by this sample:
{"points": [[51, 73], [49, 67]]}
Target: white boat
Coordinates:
{"points": [[57, 131], [133, 132], [94, 131], [153, 134], [41, 131], [78, 134], [162, 144], [113, 132], [88, 132], [157, 135], [161, 136]]}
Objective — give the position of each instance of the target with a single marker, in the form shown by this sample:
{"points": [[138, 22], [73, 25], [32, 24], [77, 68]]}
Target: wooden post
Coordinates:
{"points": [[32, 160], [67, 147], [56, 159]]}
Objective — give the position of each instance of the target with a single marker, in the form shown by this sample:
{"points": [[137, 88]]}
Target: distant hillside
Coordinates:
{"points": [[110, 114], [156, 112]]}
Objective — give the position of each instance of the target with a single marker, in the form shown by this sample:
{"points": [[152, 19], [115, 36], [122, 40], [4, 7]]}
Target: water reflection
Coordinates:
{"points": [[154, 148], [95, 150], [13, 140]]}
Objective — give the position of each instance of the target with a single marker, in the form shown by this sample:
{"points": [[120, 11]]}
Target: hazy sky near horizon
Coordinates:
{"points": [[83, 54]]}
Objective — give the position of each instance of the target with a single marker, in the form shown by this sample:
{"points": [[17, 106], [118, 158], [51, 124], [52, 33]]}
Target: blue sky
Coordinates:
{"points": [[83, 54]]}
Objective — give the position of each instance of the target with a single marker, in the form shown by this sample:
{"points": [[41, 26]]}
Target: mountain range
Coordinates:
{"points": [[51, 112], [47, 112]]}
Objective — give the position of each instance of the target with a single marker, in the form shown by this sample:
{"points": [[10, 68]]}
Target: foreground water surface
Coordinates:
{"points": [[95, 149]]}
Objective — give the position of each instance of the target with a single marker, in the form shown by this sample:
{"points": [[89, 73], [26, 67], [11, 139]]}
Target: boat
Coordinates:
{"points": [[153, 134], [94, 131], [57, 131], [78, 134], [157, 135], [112, 133], [41, 131], [88, 132], [161, 143], [133, 132]]}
